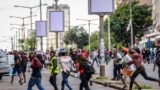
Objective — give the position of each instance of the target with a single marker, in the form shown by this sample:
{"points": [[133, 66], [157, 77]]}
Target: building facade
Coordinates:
{"points": [[51, 37], [156, 15]]}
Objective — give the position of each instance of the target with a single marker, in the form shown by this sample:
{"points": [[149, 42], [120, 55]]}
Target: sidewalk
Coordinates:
{"points": [[107, 82]]}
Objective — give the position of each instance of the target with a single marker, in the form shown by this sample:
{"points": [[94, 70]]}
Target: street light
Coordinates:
{"points": [[16, 35], [89, 23], [31, 15], [12, 45], [23, 30], [30, 10]]}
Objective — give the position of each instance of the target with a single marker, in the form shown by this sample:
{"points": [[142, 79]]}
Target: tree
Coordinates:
{"points": [[21, 42], [78, 36], [141, 17], [31, 42]]}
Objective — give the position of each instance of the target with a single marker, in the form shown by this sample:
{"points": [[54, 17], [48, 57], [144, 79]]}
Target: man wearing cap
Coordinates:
{"points": [[128, 69]]}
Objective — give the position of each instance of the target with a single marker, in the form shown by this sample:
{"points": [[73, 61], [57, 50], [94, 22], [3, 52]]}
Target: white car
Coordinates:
{"points": [[4, 66]]}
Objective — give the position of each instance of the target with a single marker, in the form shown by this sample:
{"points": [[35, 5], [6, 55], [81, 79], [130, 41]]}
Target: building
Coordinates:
{"points": [[51, 37], [156, 15]]}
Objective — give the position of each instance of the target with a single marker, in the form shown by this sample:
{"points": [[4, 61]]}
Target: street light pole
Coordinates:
{"points": [[23, 30], [41, 38], [109, 34], [17, 39], [131, 24], [89, 24], [56, 8]]}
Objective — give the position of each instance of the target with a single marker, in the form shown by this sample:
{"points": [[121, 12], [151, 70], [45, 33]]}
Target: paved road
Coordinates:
{"points": [[139, 79], [5, 83]]}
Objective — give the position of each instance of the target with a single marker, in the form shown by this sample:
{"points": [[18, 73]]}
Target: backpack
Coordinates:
{"points": [[88, 67], [157, 61]]}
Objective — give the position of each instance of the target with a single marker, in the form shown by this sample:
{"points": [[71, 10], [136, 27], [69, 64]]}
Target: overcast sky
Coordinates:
{"points": [[78, 9]]}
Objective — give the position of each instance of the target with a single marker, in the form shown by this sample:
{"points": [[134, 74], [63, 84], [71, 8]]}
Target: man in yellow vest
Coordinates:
{"points": [[54, 69]]}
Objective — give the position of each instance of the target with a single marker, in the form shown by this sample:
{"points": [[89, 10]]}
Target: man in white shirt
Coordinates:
{"points": [[117, 65], [95, 57], [128, 69], [65, 62]]}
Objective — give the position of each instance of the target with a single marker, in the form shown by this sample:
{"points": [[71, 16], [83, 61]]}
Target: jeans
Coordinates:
{"points": [[52, 80], [65, 81], [34, 81], [95, 59], [84, 81], [140, 70], [116, 71]]}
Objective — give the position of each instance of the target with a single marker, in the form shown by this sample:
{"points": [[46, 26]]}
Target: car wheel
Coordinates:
{"points": [[0, 77]]}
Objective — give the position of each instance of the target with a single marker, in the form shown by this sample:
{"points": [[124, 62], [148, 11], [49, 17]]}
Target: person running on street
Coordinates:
{"points": [[24, 64], [54, 70], [36, 72], [128, 69], [140, 69], [65, 62], [83, 76], [17, 67]]}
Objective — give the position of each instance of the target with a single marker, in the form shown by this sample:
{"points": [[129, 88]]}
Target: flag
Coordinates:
{"points": [[129, 25]]}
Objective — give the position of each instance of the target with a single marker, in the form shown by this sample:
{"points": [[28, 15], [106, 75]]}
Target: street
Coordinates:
{"points": [[5, 83]]}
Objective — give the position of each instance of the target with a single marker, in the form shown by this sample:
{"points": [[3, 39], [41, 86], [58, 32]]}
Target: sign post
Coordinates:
{"points": [[101, 8]]}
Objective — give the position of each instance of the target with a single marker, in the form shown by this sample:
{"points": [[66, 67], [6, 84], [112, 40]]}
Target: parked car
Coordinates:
{"points": [[4, 66]]}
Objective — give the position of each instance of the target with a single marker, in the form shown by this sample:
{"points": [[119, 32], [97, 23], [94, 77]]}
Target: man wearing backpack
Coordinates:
{"points": [[54, 69], [36, 72]]}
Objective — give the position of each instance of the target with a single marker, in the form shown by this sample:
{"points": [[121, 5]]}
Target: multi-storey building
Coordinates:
{"points": [[156, 14], [51, 37]]}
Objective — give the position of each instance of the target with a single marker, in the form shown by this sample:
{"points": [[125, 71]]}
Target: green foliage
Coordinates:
{"points": [[31, 42], [21, 42], [143, 87], [78, 36], [141, 18]]}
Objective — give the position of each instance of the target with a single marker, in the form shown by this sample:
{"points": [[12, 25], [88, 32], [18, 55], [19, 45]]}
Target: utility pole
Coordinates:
{"points": [[89, 25], [23, 28], [41, 38], [12, 43], [56, 8], [131, 24], [109, 34]]}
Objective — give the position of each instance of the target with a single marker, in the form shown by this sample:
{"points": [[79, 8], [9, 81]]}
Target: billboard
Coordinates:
{"points": [[100, 6], [56, 21], [41, 28]]}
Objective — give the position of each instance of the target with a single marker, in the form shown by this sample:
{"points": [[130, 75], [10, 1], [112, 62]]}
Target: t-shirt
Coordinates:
{"points": [[127, 59], [17, 59], [118, 56], [65, 62]]}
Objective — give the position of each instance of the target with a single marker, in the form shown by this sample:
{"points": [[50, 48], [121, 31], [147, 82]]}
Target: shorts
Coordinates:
{"points": [[24, 68], [127, 72], [16, 70]]}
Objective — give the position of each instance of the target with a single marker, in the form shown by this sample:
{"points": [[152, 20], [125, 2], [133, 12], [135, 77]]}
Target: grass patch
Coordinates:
{"points": [[102, 78], [143, 87]]}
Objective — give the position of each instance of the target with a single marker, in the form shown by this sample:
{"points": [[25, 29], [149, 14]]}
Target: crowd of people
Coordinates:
{"points": [[127, 62]]}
